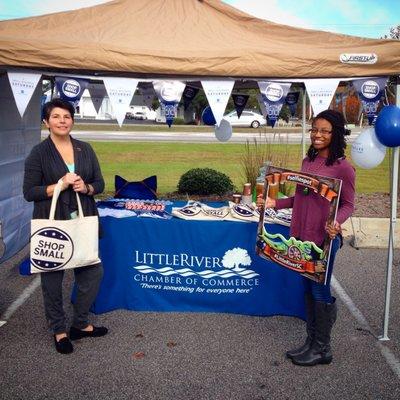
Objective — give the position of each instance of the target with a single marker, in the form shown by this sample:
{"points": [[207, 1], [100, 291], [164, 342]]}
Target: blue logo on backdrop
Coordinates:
{"points": [[51, 249]]}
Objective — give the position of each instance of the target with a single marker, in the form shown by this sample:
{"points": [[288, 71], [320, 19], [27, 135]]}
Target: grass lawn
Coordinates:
{"points": [[136, 161]]}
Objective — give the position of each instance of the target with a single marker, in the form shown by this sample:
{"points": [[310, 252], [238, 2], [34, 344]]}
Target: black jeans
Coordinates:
{"points": [[87, 281]]}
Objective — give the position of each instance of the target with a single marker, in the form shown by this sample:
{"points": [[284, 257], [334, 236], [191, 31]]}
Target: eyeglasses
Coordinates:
{"points": [[323, 132]]}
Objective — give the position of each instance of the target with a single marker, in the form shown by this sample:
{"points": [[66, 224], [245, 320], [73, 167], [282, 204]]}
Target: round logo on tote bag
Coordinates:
{"points": [[51, 249]]}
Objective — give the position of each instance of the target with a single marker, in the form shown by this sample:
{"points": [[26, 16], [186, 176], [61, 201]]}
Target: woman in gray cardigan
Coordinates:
{"points": [[62, 157]]}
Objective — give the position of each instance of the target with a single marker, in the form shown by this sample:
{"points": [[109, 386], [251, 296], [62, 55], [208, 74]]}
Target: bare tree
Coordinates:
{"points": [[394, 33]]}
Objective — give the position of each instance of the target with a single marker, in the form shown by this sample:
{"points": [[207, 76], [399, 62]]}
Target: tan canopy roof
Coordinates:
{"points": [[187, 38]]}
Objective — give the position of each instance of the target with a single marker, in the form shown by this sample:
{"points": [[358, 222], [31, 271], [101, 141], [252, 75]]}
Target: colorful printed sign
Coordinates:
{"points": [[304, 257]]}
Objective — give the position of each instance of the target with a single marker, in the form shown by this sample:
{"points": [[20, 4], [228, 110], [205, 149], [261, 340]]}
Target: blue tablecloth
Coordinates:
{"points": [[196, 266]]}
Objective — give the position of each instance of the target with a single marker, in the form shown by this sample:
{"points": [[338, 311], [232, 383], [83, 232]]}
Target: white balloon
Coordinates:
{"points": [[367, 151], [223, 132]]}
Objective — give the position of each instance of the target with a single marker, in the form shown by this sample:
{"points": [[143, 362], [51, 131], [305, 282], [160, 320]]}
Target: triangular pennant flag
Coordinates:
{"points": [[97, 93], [169, 94], [240, 101], [188, 95], [120, 91], [148, 95], [23, 85], [217, 93], [273, 96], [71, 89], [370, 92], [291, 100], [262, 105], [320, 92]]}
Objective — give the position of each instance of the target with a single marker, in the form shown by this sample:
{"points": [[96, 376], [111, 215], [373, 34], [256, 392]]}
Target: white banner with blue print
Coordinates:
{"points": [[23, 85], [64, 244]]}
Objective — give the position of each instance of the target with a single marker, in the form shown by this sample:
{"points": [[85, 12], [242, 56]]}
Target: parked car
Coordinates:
{"points": [[139, 115], [248, 118], [136, 115]]}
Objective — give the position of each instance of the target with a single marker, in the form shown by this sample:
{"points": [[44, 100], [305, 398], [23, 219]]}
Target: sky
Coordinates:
{"points": [[365, 18]]}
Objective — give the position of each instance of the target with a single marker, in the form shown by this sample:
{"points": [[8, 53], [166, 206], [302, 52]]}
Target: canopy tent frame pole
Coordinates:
{"points": [[303, 132], [392, 224]]}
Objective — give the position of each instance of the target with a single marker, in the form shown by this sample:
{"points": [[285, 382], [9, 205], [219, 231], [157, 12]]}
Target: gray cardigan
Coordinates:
{"points": [[44, 166]]}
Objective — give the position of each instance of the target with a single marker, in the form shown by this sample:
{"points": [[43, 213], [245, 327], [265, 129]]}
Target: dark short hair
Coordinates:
{"points": [[339, 131], [50, 105]]}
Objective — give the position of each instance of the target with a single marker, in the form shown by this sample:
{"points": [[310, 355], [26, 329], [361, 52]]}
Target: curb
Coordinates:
{"points": [[370, 232]]}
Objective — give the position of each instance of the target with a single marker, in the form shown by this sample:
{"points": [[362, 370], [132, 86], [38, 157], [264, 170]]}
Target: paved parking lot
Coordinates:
{"points": [[204, 356]]}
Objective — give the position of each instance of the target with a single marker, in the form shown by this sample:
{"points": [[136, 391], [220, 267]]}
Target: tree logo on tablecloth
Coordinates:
{"points": [[231, 261], [235, 257]]}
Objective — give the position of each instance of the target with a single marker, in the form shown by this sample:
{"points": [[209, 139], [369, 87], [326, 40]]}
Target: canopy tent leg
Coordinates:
{"points": [[393, 216], [303, 132]]}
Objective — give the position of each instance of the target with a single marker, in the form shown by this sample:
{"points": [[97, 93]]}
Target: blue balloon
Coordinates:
{"points": [[387, 126], [208, 117]]}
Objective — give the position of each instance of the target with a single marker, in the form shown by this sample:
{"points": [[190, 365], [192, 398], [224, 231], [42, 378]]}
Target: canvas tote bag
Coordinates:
{"points": [[57, 245]]}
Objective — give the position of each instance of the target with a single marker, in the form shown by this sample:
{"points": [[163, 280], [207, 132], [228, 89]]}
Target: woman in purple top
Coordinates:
{"points": [[309, 215]]}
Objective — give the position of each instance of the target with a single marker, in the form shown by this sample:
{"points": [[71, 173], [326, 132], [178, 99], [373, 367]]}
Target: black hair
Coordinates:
{"points": [[52, 104], [338, 141]]}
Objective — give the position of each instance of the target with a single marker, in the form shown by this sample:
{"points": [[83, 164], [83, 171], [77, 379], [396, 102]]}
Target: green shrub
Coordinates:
{"points": [[178, 121], [205, 181]]}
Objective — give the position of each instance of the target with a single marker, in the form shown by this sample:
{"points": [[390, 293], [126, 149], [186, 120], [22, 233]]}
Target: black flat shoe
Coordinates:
{"points": [[64, 345], [76, 334]]}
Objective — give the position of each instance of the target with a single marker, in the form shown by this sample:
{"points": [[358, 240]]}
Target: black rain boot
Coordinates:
{"points": [[310, 327], [320, 350]]}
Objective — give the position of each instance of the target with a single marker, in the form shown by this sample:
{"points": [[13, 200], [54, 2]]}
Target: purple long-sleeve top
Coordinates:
{"points": [[310, 211]]}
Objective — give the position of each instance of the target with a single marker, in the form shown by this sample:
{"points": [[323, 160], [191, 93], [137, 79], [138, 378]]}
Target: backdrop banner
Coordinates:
{"points": [[370, 92], [273, 96], [217, 93], [23, 85]]}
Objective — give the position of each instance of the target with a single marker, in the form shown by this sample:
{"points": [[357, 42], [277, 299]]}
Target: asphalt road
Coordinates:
{"points": [[204, 356], [190, 136]]}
